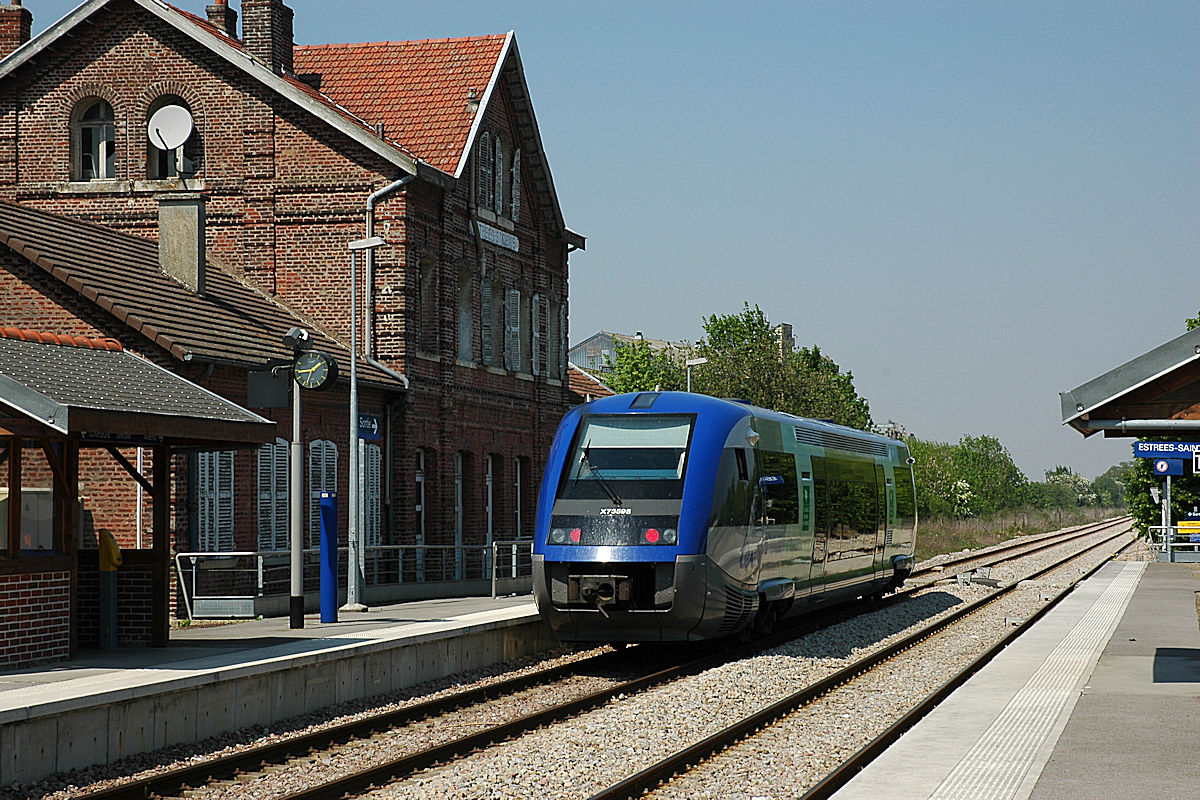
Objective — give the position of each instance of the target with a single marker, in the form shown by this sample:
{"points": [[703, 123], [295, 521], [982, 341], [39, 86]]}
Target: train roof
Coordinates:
{"points": [[693, 403]]}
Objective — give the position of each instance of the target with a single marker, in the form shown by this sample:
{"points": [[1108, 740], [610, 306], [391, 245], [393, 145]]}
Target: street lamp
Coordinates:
{"points": [[357, 556], [693, 362]]}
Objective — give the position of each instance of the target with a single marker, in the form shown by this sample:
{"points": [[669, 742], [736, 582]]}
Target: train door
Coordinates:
{"points": [[804, 581], [884, 492], [820, 540]]}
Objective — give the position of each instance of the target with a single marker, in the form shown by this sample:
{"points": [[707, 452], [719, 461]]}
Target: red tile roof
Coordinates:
{"points": [[417, 90], [586, 385]]}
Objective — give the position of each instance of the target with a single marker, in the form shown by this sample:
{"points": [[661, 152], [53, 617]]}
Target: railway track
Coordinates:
{"points": [[648, 779], [308, 747]]}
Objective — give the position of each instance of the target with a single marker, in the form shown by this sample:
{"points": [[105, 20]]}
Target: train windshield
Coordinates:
{"points": [[634, 455]]}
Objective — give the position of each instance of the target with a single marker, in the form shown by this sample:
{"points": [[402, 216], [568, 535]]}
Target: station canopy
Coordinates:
{"points": [[94, 391], [1155, 394]]}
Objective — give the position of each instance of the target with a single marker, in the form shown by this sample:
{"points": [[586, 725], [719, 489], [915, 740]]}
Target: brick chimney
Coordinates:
{"points": [[16, 22], [223, 17], [267, 33], [181, 249]]}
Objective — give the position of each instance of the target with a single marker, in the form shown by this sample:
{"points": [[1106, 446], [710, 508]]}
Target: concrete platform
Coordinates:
{"points": [[106, 705], [1100, 699]]}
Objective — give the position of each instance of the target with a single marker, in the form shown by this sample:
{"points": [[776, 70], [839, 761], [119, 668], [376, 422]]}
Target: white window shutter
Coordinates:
{"points": [[515, 203], [485, 321], [266, 497], [512, 330], [224, 517], [322, 477], [373, 535], [485, 156], [205, 497], [535, 310], [498, 172], [283, 484], [562, 339]]}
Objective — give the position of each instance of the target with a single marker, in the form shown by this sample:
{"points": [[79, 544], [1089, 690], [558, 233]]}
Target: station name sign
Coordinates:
{"points": [[1165, 449]]}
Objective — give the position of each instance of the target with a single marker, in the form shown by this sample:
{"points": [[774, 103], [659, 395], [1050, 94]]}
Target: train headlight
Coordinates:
{"points": [[558, 536], [670, 536]]}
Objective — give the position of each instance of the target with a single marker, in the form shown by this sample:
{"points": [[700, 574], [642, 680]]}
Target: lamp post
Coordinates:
{"points": [[296, 339], [693, 362], [357, 556]]}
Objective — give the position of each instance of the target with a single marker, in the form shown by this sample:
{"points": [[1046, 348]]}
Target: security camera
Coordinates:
{"points": [[296, 339]]}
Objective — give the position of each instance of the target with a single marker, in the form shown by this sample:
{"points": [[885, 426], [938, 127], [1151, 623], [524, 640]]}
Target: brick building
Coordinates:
{"points": [[292, 153]]}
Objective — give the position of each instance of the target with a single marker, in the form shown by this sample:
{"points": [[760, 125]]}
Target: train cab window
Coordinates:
{"points": [[621, 455]]}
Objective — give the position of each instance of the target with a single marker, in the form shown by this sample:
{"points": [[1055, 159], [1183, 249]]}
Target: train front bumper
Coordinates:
{"points": [[684, 600]]}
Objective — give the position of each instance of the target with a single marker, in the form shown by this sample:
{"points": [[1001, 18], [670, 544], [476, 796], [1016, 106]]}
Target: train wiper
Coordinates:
{"points": [[587, 462]]}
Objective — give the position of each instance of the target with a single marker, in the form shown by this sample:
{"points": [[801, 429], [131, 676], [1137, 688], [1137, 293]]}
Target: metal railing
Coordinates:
{"points": [[1176, 539], [230, 584]]}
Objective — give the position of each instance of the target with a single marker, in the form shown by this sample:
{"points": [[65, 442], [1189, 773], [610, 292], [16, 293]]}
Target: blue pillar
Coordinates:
{"points": [[329, 557]]}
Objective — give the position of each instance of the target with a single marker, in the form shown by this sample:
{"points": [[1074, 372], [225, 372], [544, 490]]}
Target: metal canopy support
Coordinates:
{"points": [[160, 494]]}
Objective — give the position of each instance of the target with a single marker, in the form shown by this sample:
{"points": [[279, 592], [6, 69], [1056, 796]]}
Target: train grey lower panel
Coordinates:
{"points": [[696, 603]]}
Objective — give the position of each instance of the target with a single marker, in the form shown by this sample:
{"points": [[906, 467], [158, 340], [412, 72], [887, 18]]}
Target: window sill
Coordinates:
{"points": [[170, 184], [428, 357], [497, 370], [490, 217], [126, 187], [95, 187]]}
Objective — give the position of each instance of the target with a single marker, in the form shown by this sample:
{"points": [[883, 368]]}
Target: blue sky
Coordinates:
{"points": [[970, 206]]}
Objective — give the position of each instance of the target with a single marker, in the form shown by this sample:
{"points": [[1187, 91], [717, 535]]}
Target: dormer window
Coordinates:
{"points": [[96, 153]]}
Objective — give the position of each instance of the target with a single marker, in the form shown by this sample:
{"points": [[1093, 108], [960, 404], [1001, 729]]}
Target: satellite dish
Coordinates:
{"points": [[169, 127]]}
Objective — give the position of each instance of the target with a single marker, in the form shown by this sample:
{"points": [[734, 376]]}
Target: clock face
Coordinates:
{"points": [[314, 369]]}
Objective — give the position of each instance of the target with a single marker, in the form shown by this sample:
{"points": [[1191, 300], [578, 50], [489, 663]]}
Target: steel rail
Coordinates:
{"points": [[650, 777], [1044, 542], [167, 783], [842, 774], [255, 758]]}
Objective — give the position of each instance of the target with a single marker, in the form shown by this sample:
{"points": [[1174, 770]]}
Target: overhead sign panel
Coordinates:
{"points": [[1165, 449]]}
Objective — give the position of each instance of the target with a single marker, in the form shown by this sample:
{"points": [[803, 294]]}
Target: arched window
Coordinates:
{"points": [[166, 163], [95, 141]]}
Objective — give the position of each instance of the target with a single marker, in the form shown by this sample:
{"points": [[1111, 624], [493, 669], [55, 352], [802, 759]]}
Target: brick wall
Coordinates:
{"points": [[134, 579], [287, 194], [35, 618]]}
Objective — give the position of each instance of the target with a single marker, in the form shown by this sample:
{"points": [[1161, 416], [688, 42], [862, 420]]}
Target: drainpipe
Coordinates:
{"points": [[369, 316], [1133, 425]]}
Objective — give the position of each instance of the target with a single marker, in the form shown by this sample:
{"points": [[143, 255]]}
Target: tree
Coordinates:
{"points": [[1112, 486], [988, 467], [975, 476], [638, 368], [747, 359], [1076, 488]]}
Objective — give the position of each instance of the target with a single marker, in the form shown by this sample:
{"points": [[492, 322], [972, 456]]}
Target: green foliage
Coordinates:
{"points": [[638, 368], [747, 360], [1146, 511], [975, 476], [1111, 487]]}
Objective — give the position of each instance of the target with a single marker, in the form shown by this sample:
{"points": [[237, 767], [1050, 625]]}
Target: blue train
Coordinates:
{"points": [[669, 516]]}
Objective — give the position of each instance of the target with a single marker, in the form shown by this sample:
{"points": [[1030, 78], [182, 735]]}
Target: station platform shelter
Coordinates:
{"points": [[67, 397]]}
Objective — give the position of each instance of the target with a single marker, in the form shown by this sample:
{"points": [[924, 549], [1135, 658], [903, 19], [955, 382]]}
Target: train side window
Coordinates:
{"points": [[743, 473], [785, 505]]}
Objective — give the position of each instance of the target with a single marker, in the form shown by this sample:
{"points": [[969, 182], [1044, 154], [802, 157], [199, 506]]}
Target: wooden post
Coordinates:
{"points": [[160, 621]]}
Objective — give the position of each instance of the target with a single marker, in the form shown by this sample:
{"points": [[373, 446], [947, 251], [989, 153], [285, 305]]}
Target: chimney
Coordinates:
{"points": [[267, 33], [16, 22], [223, 17], [181, 250]]}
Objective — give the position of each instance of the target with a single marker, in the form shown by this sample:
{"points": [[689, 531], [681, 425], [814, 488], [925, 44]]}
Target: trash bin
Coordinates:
{"points": [[110, 560]]}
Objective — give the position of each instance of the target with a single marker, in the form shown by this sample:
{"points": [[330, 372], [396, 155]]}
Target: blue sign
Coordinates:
{"points": [[368, 427], [1168, 466], [770, 480], [1165, 449]]}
